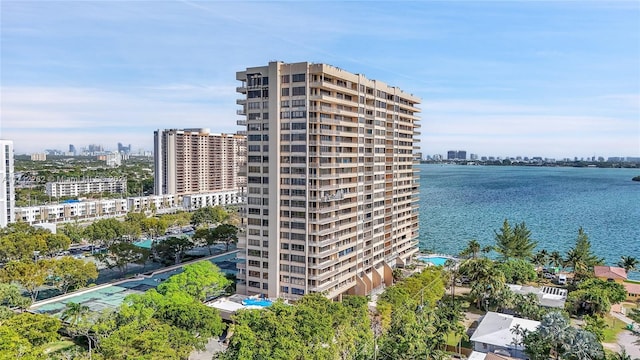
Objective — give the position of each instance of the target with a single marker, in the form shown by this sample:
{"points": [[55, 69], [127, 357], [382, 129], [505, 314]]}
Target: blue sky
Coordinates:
{"points": [[502, 78]]}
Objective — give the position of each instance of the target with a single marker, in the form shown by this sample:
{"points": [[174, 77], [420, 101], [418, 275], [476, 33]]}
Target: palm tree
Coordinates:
{"points": [[76, 315], [556, 259], [553, 329], [581, 344], [453, 274], [472, 249], [622, 355], [541, 258], [629, 263], [485, 277]]}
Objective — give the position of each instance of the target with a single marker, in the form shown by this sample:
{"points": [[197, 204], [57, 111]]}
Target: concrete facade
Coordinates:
{"points": [[73, 187], [331, 185], [73, 210], [7, 183], [192, 161]]}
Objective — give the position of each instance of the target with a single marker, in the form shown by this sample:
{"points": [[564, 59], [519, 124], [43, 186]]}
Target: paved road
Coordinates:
{"points": [[626, 339], [212, 347]]}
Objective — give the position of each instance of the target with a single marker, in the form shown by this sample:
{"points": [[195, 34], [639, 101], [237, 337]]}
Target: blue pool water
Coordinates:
{"points": [[146, 243], [256, 302], [435, 260]]}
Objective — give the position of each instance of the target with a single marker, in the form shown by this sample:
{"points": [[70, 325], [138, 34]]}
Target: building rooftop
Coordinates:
{"points": [[495, 329], [632, 288], [610, 272], [548, 296]]}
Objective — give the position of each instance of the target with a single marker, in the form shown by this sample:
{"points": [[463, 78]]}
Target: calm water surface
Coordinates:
{"points": [[459, 203]]}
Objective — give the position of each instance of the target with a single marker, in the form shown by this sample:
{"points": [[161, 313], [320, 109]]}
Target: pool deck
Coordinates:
{"points": [[434, 255]]}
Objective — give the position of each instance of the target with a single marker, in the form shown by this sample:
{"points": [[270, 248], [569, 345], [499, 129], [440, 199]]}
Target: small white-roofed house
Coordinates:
{"points": [[548, 296], [496, 333]]}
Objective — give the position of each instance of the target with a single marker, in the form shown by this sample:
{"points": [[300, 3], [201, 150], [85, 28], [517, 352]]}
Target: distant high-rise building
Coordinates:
{"points": [[7, 183], [113, 159], [124, 149], [473, 157], [39, 157], [332, 187], [93, 148], [456, 155], [191, 161], [72, 149]]}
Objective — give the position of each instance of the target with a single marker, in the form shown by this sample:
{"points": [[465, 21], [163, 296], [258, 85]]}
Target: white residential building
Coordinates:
{"points": [[7, 183], [72, 210], [495, 333], [76, 187], [154, 202], [222, 198], [39, 157]]}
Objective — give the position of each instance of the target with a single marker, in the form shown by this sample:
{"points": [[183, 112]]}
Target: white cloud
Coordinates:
{"points": [[56, 116], [568, 129]]}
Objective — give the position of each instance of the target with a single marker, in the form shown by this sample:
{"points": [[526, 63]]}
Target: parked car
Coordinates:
{"points": [[562, 279]]}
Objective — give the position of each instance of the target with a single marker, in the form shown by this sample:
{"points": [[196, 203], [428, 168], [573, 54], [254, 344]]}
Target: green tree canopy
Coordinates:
{"points": [[11, 296], [200, 280], [121, 254], [56, 243], [518, 271], [595, 296], [485, 277], [629, 263], [68, 273], [472, 250], [154, 227], [36, 328], [173, 249], [555, 336], [209, 215], [580, 257], [105, 231], [73, 231], [30, 275], [313, 328], [514, 242], [225, 232]]}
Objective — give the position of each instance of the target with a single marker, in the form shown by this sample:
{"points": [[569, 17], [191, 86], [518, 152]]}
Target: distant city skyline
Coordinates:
{"points": [[550, 79], [140, 150]]}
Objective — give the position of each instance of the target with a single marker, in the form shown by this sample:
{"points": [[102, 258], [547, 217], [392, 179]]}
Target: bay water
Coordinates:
{"points": [[463, 202]]}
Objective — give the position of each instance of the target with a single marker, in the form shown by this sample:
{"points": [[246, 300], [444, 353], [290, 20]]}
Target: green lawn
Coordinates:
{"points": [[59, 346], [614, 327], [453, 339]]}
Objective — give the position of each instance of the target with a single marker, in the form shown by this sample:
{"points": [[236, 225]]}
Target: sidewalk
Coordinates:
{"points": [[621, 317], [625, 339]]}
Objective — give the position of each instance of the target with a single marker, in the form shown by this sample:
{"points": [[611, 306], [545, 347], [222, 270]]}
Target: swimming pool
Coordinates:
{"points": [[256, 302], [146, 243], [435, 260]]}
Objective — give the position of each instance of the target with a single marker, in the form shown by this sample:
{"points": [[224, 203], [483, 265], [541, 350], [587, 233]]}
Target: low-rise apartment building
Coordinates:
{"points": [[76, 187]]}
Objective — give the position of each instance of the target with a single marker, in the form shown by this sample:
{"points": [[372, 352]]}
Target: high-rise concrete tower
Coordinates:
{"points": [[331, 183], [7, 183], [191, 161]]}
